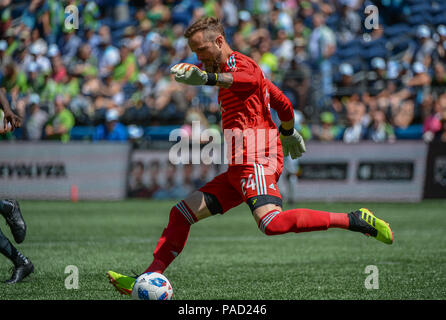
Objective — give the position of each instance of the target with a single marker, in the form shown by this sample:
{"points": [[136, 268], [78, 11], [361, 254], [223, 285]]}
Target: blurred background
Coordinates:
{"points": [[357, 87]]}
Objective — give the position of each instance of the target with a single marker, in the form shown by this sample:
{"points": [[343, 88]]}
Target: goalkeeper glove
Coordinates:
{"points": [[192, 75], [292, 143]]}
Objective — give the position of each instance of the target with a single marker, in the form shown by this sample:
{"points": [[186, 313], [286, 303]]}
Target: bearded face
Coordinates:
{"points": [[213, 65], [207, 50]]}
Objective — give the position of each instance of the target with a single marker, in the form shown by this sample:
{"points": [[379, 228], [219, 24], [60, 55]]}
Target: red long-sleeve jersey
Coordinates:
{"points": [[245, 108]]}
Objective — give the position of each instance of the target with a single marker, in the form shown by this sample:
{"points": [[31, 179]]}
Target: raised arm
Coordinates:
{"points": [[282, 105]]}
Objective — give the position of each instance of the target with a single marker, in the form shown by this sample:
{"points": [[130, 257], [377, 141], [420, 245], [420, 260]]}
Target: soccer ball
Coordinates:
{"points": [[152, 286]]}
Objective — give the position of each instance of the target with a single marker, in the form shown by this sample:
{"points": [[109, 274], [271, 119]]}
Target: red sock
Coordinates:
{"points": [[301, 220], [174, 237]]}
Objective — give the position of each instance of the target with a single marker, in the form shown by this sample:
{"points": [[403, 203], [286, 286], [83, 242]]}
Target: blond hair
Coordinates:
{"points": [[206, 24]]}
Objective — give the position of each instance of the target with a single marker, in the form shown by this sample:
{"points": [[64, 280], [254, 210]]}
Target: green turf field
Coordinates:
{"points": [[227, 257]]}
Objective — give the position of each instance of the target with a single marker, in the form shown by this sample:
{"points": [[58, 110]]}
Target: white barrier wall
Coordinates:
{"points": [[51, 170], [363, 172], [327, 171]]}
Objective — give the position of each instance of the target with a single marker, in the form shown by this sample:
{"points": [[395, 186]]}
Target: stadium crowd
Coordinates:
{"points": [[111, 73]]}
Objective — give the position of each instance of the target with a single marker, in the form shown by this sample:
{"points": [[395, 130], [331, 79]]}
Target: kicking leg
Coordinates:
{"points": [[273, 221]]}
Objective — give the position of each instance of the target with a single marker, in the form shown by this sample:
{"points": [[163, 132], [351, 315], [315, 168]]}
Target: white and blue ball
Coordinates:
{"points": [[152, 286]]}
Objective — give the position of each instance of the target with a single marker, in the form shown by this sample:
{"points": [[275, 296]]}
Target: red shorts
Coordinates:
{"points": [[242, 182]]}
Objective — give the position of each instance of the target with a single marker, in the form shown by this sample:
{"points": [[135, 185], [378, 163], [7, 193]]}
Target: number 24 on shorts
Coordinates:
{"points": [[249, 184]]}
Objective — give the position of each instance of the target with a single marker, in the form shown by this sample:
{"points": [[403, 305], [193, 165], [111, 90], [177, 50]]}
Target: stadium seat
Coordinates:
{"points": [[415, 2], [82, 132], [375, 51], [397, 29], [355, 43], [348, 53], [417, 19], [439, 18], [398, 44], [413, 132], [159, 132], [420, 8]]}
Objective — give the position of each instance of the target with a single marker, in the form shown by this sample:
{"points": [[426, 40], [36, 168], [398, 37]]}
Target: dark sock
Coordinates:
{"points": [[10, 252]]}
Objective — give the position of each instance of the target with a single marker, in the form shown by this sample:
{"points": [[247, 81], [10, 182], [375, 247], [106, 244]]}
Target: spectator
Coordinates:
{"points": [[439, 55], [109, 55], [434, 124], [37, 119], [377, 80], [355, 131], [157, 12], [296, 84], [69, 43], [321, 46], [328, 130], [283, 48], [420, 82], [403, 114], [5, 16], [349, 23], [422, 48], [38, 51], [59, 70], [60, 124], [112, 130], [346, 85], [14, 80], [439, 79], [230, 18], [126, 71], [84, 64], [4, 58], [379, 129]]}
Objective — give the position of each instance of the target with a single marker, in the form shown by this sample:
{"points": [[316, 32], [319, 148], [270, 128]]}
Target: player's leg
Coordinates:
{"points": [[273, 221], [22, 265], [172, 241], [10, 210], [174, 237], [216, 197], [264, 199]]}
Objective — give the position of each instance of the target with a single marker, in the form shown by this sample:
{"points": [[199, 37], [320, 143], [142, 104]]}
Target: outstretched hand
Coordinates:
{"points": [[189, 74]]}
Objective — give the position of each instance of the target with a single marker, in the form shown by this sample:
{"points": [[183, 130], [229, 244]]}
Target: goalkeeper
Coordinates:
{"points": [[245, 97], [10, 210]]}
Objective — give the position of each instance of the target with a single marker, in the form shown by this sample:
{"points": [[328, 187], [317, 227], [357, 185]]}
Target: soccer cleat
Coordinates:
{"points": [[21, 271], [363, 220], [15, 221], [122, 283]]}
